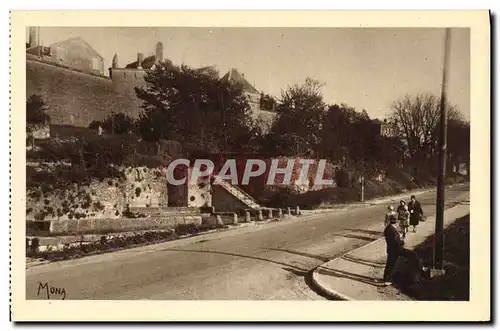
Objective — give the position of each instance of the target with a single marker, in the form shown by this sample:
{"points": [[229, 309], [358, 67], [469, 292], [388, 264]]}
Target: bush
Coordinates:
{"points": [[184, 229], [285, 197], [62, 177], [120, 242], [36, 110], [117, 123], [342, 178]]}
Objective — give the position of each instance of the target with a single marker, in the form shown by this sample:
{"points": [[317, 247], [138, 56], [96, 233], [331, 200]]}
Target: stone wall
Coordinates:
{"points": [[120, 225], [259, 183], [225, 201], [143, 187], [77, 98], [199, 194], [97, 200]]}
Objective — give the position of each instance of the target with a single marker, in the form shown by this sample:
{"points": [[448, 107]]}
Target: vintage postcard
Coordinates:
{"points": [[250, 166]]}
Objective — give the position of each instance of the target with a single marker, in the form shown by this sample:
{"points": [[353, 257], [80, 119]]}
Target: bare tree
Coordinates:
{"points": [[416, 120]]}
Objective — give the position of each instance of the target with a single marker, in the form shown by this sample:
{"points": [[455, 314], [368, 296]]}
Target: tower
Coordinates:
{"points": [[114, 63], [33, 36], [159, 52], [140, 58]]}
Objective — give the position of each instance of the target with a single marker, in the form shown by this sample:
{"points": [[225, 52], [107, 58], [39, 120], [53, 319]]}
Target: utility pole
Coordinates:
{"points": [[440, 196]]}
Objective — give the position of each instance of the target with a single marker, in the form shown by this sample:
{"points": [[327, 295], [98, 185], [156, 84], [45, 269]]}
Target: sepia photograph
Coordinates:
{"points": [[279, 163]]}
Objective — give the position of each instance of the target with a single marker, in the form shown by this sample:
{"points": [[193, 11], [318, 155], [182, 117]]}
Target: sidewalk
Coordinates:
{"points": [[357, 275], [375, 201]]}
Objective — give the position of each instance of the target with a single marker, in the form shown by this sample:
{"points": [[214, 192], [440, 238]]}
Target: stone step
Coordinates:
{"points": [[93, 226], [240, 194], [157, 211]]}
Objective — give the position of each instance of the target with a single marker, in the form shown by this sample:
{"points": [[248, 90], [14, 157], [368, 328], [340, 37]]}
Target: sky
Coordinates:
{"points": [[367, 68]]}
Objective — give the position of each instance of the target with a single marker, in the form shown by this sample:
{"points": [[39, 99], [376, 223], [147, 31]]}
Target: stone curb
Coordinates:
{"points": [[331, 292]]}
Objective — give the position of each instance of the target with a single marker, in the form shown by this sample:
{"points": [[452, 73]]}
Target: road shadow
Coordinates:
{"points": [[363, 261], [307, 275], [354, 236], [312, 256], [375, 233], [349, 275], [234, 255]]}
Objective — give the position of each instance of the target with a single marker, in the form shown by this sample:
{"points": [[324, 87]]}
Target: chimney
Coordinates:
{"points": [[33, 36], [159, 52], [140, 58], [114, 64]]}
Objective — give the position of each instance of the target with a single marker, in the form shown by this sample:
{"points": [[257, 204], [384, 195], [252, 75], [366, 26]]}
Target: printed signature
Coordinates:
{"points": [[50, 291]]}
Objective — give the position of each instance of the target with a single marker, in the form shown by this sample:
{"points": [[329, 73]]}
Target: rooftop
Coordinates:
{"points": [[235, 77]]}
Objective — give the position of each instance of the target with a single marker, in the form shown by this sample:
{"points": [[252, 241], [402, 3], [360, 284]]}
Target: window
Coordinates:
{"points": [[95, 63]]}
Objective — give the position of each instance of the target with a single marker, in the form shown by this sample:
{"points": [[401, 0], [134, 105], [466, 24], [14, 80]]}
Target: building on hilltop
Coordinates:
{"points": [[69, 76], [126, 79], [235, 77], [386, 129], [74, 53], [262, 115], [132, 75], [208, 70]]}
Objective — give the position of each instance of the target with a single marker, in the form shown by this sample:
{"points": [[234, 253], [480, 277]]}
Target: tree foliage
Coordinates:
{"points": [[306, 126], [116, 123], [458, 143], [296, 130], [36, 110], [352, 138], [196, 108]]}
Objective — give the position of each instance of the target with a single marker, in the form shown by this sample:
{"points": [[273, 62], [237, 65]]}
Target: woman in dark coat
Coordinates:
{"points": [[416, 212]]}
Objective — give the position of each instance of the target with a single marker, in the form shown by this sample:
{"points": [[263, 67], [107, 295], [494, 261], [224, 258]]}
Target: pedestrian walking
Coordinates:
{"points": [[396, 249], [404, 219], [401, 206], [390, 215], [416, 212]]}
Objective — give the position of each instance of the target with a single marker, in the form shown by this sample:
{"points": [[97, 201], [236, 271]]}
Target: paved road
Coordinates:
{"points": [[262, 262]]}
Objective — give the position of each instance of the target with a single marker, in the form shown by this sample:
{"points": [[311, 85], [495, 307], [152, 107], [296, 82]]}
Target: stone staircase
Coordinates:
{"points": [[240, 195]]}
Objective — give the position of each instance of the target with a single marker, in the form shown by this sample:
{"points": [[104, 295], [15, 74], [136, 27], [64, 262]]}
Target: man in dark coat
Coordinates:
{"points": [[395, 249], [416, 212]]}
